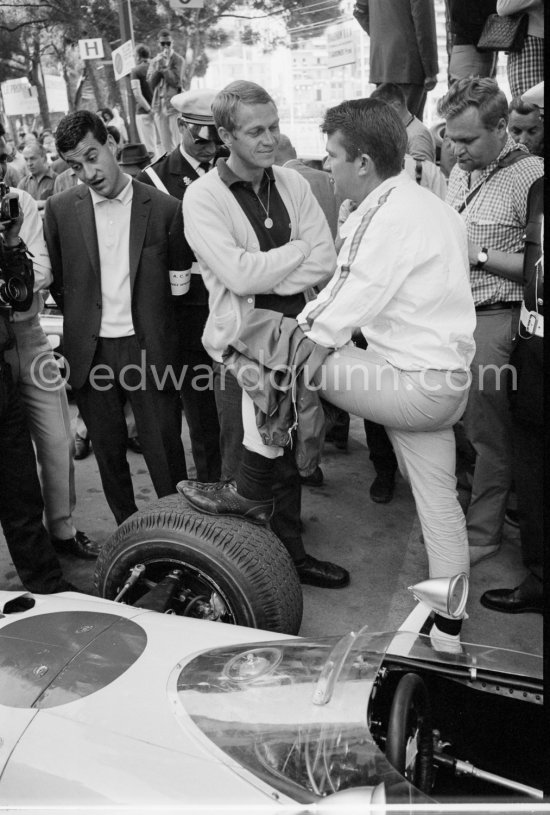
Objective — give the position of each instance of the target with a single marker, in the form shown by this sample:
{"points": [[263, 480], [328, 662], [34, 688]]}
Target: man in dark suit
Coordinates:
{"points": [[319, 181], [118, 253], [403, 46], [173, 173]]}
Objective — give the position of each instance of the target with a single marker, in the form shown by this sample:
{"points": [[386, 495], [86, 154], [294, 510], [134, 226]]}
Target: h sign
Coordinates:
{"points": [[91, 49]]}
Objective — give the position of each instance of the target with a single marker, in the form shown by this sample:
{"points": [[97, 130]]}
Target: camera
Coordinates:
{"points": [[16, 271], [9, 205]]}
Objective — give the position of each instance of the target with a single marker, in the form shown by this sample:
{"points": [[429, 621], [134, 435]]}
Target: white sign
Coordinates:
{"points": [[123, 59], [19, 97], [183, 5], [341, 46], [91, 49], [56, 93]]}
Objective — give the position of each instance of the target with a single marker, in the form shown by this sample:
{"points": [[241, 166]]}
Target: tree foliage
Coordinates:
{"points": [[41, 35]]}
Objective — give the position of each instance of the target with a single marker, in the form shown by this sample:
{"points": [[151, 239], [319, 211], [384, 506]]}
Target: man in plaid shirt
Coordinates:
{"points": [[489, 186]]}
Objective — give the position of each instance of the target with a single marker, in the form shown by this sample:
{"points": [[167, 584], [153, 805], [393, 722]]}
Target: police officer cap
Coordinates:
{"points": [[195, 107], [535, 95]]}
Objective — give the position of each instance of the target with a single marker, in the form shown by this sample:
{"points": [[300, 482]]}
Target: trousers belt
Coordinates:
{"points": [[532, 321], [501, 305]]}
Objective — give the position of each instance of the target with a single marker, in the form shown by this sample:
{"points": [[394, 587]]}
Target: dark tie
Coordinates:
{"points": [[204, 165]]}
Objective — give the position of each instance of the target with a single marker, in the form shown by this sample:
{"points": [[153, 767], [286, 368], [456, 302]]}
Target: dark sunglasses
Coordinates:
{"points": [[166, 42], [212, 132]]}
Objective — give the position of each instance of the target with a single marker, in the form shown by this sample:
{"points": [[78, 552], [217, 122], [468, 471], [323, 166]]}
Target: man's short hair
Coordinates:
{"points": [[142, 51], [40, 149], [479, 92], [389, 92], [115, 133], [369, 126], [523, 108], [75, 126], [227, 101]]}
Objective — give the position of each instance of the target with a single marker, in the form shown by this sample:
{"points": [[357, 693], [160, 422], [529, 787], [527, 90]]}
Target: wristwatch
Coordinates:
{"points": [[482, 257]]}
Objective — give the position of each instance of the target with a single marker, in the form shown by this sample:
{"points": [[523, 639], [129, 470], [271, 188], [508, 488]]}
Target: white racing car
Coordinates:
{"points": [[107, 707]]}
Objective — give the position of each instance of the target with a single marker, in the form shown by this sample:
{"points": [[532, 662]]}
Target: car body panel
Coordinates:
{"points": [[141, 709]]}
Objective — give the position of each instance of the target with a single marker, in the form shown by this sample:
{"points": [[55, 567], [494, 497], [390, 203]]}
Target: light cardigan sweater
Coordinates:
{"points": [[231, 263]]}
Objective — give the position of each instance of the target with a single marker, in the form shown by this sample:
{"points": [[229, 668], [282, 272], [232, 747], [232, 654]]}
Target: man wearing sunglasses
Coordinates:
{"points": [[173, 173], [165, 76]]}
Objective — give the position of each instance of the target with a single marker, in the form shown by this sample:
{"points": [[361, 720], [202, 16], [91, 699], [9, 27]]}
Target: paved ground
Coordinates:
{"points": [[379, 544]]}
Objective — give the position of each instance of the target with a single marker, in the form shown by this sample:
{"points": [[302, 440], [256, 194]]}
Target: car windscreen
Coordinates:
{"points": [[294, 713]]}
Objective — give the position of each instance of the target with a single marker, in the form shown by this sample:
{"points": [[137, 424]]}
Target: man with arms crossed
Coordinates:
{"points": [[261, 241]]}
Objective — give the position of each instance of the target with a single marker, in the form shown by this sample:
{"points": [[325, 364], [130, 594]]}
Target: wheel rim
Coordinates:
{"points": [[197, 590]]}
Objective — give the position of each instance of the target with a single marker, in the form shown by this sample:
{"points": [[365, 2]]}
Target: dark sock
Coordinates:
{"points": [[255, 476], [448, 626]]}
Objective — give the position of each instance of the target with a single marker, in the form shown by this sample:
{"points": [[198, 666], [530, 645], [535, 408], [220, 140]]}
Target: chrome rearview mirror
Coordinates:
{"points": [[446, 595]]}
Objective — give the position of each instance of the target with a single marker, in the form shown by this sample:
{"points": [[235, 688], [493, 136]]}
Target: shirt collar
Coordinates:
{"points": [[124, 196], [191, 159], [508, 147], [372, 200], [229, 178]]}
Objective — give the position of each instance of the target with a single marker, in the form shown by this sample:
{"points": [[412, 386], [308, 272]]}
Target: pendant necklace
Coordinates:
{"points": [[268, 222]]}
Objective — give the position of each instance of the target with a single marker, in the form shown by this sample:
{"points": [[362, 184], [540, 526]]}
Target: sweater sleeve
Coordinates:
{"points": [[312, 227], [209, 230]]}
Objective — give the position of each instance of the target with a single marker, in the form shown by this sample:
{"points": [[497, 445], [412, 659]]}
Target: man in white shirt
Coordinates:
{"points": [[115, 246], [405, 284]]}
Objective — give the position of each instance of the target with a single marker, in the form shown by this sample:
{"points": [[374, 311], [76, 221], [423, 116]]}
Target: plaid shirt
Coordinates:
{"points": [[496, 217]]}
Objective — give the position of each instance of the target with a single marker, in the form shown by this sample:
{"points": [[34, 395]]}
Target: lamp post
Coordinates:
{"points": [[127, 33]]}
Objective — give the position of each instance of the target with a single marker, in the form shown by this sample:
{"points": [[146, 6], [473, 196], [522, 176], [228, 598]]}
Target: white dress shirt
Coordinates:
{"points": [[402, 276], [112, 220]]}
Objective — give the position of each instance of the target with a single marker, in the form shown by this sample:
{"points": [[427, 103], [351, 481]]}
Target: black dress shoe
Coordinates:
{"points": [[222, 498], [133, 443], [81, 447], [322, 573], [525, 597], [381, 489], [79, 546], [315, 479]]}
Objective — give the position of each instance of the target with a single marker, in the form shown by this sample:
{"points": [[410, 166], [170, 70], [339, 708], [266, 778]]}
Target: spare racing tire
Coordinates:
{"points": [[245, 566]]}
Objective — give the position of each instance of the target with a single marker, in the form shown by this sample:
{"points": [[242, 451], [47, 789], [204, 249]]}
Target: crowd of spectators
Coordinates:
{"points": [[406, 279]]}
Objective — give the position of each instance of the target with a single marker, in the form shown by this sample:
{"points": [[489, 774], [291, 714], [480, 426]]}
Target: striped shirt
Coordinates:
{"points": [[496, 216]]}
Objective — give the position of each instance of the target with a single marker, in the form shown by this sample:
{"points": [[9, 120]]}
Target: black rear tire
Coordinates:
{"points": [[410, 722], [246, 564]]}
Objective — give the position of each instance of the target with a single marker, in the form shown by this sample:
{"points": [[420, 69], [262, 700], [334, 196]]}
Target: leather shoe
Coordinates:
{"points": [[315, 479], [381, 489], [525, 597], [81, 447], [479, 553], [322, 573], [222, 498], [133, 443], [79, 546]]}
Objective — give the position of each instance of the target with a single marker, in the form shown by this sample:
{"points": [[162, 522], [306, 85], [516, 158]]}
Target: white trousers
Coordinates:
{"points": [[43, 392], [418, 410], [147, 131], [169, 133]]}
